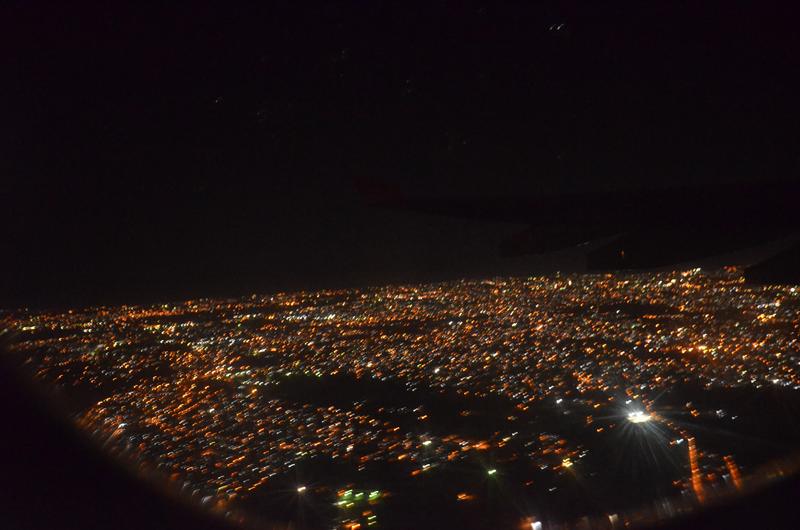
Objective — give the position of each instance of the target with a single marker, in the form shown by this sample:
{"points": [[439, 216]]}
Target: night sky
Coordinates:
{"points": [[154, 153]]}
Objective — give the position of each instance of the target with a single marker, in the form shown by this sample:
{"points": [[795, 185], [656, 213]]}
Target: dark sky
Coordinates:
{"points": [[206, 149]]}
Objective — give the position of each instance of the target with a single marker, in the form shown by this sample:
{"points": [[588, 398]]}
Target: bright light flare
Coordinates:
{"points": [[638, 416], [301, 489]]}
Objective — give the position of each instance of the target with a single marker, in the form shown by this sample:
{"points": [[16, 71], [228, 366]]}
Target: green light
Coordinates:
{"points": [[359, 495], [492, 471], [374, 494]]}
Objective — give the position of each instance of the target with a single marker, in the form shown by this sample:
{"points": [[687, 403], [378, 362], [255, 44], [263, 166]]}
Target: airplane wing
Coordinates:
{"points": [[641, 229]]}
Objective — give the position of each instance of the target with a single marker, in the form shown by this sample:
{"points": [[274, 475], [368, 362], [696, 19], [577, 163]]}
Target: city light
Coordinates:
{"points": [[199, 388], [638, 416]]}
